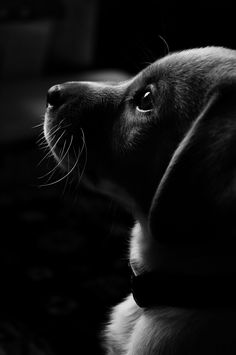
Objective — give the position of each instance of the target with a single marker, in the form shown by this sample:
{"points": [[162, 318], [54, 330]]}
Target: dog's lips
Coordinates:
{"points": [[54, 137]]}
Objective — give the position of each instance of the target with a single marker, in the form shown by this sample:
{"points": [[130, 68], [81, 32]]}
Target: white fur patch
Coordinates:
{"points": [[143, 248]]}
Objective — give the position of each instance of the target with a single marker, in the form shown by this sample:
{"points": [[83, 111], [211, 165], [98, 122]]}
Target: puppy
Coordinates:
{"points": [[164, 144]]}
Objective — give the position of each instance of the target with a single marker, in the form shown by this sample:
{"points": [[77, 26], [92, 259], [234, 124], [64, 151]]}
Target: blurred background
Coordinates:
{"points": [[63, 257]]}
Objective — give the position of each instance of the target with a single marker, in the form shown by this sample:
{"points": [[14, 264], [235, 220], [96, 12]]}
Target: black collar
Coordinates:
{"points": [[184, 290]]}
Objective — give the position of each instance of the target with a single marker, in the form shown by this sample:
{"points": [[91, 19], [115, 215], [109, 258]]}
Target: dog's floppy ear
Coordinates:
{"points": [[196, 199]]}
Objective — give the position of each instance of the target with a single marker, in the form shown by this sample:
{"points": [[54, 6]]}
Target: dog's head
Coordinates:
{"points": [[165, 140]]}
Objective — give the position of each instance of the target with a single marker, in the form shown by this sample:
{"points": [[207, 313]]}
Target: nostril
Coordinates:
{"points": [[54, 96]]}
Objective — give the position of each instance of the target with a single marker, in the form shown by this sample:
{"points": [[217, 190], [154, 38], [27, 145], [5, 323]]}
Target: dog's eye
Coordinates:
{"points": [[145, 102]]}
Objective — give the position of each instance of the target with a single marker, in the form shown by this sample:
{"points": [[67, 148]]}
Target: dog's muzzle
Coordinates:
{"points": [[80, 113]]}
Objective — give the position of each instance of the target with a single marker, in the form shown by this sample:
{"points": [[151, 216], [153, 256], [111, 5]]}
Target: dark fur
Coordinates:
{"points": [[175, 168]]}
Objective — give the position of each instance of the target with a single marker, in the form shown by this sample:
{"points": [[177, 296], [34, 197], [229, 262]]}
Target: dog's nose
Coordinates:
{"points": [[54, 96]]}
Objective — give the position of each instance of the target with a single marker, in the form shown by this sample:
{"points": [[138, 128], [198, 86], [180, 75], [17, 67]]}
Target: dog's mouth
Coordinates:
{"points": [[69, 149]]}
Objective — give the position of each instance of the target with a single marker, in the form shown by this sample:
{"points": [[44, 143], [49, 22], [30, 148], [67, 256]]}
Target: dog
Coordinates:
{"points": [[163, 143]]}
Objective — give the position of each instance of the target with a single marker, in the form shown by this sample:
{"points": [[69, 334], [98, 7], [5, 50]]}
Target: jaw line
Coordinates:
{"points": [[112, 190]]}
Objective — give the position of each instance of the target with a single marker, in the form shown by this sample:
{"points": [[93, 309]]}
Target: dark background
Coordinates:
{"points": [[62, 248]]}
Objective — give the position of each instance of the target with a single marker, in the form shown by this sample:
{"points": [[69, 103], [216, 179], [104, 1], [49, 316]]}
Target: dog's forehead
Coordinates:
{"points": [[197, 61]]}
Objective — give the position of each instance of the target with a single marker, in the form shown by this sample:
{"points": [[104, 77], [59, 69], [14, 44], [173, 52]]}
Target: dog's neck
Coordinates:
{"points": [[147, 255], [140, 245], [181, 277]]}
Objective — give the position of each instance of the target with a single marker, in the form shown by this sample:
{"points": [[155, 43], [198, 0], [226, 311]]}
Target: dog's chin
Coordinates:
{"points": [[109, 189], [90, 179]]}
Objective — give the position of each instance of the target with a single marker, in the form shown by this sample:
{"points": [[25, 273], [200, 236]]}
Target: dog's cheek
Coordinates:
{"points": [[128, 134]]}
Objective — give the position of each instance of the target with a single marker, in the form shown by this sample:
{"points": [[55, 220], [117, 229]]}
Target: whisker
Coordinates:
{"points": [[54, 145], [43, 146], [69, 172], [61, 158], [42, 137], [53, 170], [68, 167], [165, 43], [75, 154], [38, 125], [67, 151], [57, 165], [62, 151], [83, 144], [85, 161], [53, 131]]}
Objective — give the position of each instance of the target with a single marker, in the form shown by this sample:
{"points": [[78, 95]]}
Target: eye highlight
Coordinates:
{"points": [[145, 102]]}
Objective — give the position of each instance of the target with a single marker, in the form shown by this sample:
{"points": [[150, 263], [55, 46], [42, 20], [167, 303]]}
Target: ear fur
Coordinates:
{"points": [[196, 199]]}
